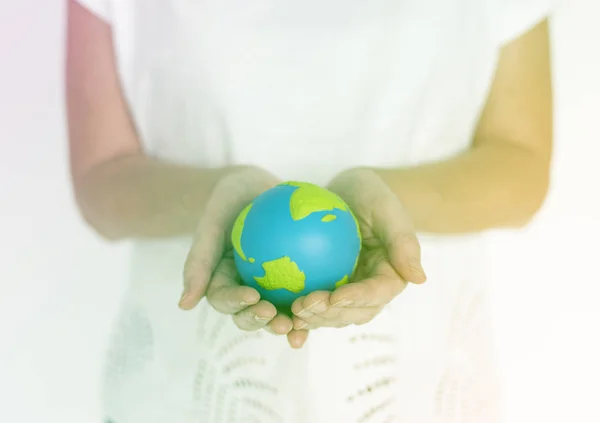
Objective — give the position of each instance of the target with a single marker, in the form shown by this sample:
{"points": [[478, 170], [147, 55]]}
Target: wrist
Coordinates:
{"points": [[412, 188]]}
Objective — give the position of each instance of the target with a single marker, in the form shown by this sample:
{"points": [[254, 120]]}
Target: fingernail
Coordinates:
{"points": [[300, 325], [261, 319], [343, 303], [419, 275], [184, 297], [318, 307], [310, 310], [304, 313], [268, 330], [237, 304], [420, 278]]}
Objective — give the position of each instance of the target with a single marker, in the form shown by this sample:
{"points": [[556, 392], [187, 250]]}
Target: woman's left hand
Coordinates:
{"points": [[390, 257]]}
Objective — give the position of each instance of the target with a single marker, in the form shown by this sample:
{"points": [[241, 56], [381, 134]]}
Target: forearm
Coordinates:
{"points": [[137, 197], [489, 186]]}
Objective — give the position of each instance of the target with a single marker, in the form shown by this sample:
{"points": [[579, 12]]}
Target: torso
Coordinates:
{"points": [[308, 87], [303, 89]]}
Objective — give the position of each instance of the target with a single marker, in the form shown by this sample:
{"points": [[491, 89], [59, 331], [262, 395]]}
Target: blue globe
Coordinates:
{"points": [[294, 239]]}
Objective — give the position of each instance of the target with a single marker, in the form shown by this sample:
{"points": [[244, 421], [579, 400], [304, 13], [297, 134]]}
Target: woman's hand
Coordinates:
{"points": [[390, 257], [210, 269]]}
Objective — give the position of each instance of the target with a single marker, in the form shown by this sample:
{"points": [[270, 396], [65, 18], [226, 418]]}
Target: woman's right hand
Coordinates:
{"points": [[210, 269]]}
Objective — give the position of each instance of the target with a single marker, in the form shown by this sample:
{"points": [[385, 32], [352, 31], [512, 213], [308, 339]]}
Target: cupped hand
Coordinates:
{"points": [[390, 257], [210, 269]]}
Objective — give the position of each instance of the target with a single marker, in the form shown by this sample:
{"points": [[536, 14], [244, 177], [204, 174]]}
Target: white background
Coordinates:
{"points": [[60, 285]]}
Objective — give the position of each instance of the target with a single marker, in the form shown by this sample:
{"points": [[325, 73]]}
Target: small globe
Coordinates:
{"points": [[294, 239]]}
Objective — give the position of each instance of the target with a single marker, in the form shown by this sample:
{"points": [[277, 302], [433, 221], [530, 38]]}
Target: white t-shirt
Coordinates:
{"points": [[306, 89]]}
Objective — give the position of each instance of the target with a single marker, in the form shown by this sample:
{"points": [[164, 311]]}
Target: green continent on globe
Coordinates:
{"points": [[329, 218], [282, 273], [238, 229], [342, 281], [310, 198]]}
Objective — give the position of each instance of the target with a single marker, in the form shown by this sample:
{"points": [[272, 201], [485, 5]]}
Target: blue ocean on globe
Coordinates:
{"points": [[294, 239]]}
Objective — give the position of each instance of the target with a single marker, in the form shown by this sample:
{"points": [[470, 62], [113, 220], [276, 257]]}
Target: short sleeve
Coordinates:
{"points": [[100, 8], [513, 18]]}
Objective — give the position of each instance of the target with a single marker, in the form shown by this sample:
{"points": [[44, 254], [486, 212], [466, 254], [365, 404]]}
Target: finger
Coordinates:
{"points": [[393, 226], [316, 311], [299, 323], [339, 317], [255, 317], [297, 338], [225, 294], [281, 325], [357, 316], [313, 322], [232, 300], [313, 303], [229, 197], [375, 291], [200, 263]]}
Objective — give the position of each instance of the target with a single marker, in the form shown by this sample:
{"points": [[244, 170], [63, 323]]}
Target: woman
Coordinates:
{"points": [[427, 116]]}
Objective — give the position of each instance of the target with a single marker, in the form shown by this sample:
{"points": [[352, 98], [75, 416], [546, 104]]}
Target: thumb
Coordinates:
{"points": [[208, 246], [201, 261], [229, 197], [404, 253], [394, 228]]}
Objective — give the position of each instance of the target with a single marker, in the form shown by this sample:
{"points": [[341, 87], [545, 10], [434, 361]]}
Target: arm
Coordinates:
{"points": [[121, 192], [503, 178]]}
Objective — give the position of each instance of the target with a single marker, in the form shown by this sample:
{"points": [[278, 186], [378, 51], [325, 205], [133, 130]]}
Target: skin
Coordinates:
{"points": [[500, 182], [122, 193]]}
